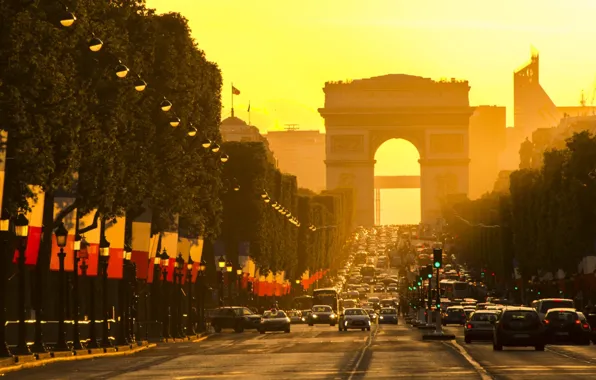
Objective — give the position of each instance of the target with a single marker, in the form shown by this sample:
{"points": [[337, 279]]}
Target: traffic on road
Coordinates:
{"points": [[400, 306]]}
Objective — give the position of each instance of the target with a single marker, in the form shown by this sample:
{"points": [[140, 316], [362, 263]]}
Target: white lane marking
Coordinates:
{"points": [[568, 356], [363, 352], [462, 351]]}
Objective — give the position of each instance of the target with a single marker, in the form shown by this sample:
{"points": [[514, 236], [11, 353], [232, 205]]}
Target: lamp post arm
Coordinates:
{"points": [[92, 226]]}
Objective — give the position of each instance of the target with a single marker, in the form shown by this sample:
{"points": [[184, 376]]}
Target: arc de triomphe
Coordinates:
{"points": [[362, 114]]}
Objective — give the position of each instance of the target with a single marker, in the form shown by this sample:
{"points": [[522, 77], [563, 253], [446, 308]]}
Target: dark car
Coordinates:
{"points": [[519, 327], [388, 315], [454, 315], [234, 317], [480, 325], [566, 325], [591, 318]]}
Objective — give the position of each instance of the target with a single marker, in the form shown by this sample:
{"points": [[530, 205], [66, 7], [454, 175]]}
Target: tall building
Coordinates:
{"points": [[487, 142], [301, 153]]}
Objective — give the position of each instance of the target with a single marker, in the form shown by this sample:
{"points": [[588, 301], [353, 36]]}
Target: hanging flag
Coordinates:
{"points": [[115, 235], [35, 217], [141, 242], [248, 107], [169, 242], [61, 201], [235, 91], [3, 141], [154, 250], [92, 238]]}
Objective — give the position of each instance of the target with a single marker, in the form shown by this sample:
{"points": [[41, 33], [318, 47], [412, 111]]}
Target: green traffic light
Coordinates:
{"points": [[414, 288], [516, 288], [430, 275], [437, 264], [419, 283]]}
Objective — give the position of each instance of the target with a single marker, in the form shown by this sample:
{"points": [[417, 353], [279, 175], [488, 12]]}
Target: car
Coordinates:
{"points": [[480, 326], [295, 316], [388, 315], [305, 315], [519, 327], [567, 325], [322, 314], [379, 288], [234, 317], [469, 312], [591, 318], [391, 288], [454, 315], [372, 314], [274, 320], [354, 318], [545, 304], [374, 302]]}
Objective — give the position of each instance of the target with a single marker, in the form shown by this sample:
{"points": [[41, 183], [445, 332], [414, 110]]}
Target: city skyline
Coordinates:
{"points": [[283, 82]]}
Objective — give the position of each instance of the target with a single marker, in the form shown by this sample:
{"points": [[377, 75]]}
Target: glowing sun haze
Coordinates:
{"points": [[279, 54]]}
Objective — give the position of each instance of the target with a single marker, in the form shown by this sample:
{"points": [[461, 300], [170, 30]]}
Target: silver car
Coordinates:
{"points": [[354, 318]]}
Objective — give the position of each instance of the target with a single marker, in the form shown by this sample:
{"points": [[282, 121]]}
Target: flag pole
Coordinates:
{"points": [[249, 113], [232, 99]]}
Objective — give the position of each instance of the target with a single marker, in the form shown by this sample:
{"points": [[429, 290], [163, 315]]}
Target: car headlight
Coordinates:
{"points": [[303, 319], [288, 320], [332, 316], [380, 317], [345, 323], [314, 316]]}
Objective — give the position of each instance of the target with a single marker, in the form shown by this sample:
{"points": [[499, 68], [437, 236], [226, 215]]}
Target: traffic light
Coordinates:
{"points": [[437, 257], [429, 271]]}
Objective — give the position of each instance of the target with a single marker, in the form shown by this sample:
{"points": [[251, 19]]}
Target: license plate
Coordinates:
{"points": [[521, 336], [562, 334]]}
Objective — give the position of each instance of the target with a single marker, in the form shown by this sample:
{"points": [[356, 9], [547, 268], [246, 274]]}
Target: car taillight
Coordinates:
{"points": [[578, 322], [469, 326], [586, 326], [546, 321]]}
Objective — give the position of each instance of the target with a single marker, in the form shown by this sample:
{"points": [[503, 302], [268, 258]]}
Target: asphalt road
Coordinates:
{"points": [[322, 352]]}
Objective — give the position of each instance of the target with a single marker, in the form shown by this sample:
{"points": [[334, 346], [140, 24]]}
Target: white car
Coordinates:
{"points": [[354, 318]]}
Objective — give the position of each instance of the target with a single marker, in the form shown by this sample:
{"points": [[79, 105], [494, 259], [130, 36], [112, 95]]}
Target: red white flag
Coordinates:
{"points": [[169, 242], [153, 247], [235, 91], [115, 235], [35, 217], [141, 242]]}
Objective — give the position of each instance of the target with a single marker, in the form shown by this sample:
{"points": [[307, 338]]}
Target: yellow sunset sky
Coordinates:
{"points": [[279, 54]]}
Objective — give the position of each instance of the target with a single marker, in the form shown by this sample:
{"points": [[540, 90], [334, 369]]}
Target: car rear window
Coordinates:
{"points": [[561, 316], [556, 304], [521, 318], [484, 317]]}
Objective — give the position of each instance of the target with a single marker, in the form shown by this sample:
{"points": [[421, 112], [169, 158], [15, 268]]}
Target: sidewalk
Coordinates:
{"points": [[17, 363]]}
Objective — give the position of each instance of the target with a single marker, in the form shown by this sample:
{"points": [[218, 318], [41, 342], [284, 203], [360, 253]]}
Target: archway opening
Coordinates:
{"points": [[397, 198]]}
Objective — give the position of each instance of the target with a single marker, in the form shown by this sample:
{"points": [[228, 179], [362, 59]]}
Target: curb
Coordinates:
{"points": [[72, 357]]}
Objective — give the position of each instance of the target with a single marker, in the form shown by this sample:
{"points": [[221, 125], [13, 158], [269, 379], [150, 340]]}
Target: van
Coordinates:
{"points": [[544, 305]]}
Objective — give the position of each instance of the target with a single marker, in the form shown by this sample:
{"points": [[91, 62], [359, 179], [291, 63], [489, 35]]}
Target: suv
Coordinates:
{"points": [[519, 327], [545, 304], [234, 317]]}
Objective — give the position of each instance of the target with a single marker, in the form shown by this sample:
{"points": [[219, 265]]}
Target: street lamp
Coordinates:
{"points": [[201, 278], [61, 237], [165, 105], [121, 70], [215, 148], [67, 18], [104, 257], [221, 263], [140, 84], [224, 158], [175, 121], [178, 273], [267, 200], [95, 44], [192, 132], [229, 266], [190, 328], [206, 143], [21, 229], [165, 321]]}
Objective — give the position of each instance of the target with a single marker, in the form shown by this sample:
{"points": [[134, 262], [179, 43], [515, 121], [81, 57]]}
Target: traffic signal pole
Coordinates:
{"points": [[438, 324]]}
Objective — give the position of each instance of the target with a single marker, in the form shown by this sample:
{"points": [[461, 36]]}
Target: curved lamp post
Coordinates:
{"points": [[201, 281], [221, 264], [178, 273], [61, 237], [21, 230], [229, 268], [6, 239]]}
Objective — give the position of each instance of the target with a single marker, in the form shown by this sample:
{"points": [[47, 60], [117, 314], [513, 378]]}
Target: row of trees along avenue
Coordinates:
{"points": [[541, 222], [118, 110]]}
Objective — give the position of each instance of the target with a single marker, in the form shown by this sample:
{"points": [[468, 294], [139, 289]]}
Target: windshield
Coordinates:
{"points": [[294, 314], [556, 304], [274, 314], [484, 317], [388, 311], [355, 312], [321, 309], [349, 303]]}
